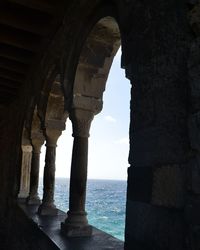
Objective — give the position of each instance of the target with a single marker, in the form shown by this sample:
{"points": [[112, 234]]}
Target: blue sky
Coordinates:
{"points": [[108, 142]]}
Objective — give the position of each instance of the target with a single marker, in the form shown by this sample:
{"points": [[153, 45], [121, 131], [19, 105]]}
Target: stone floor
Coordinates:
{"points": [[50, 226]]}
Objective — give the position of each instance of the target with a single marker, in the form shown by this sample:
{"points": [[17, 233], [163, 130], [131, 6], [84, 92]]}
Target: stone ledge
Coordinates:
{"points": [[50, 226]]}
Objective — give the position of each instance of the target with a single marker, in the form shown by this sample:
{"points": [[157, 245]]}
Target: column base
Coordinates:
{"points": [[23, 195], [76, 225], [47, 209], [76, 231], [22, 200], [35, 200]]}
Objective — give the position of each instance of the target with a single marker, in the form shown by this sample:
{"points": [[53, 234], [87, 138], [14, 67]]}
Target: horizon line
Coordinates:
{"points": [[96, 179]]}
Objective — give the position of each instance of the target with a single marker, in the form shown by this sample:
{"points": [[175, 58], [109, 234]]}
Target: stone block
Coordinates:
{"points": [[191, 211], [194, 173], [152, 227], [140, 181], [155, 145], [169, 186], [194, 130]]}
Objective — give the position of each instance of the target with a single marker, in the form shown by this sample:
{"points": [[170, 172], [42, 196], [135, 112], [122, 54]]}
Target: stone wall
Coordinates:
{"points": [[156, 51]]}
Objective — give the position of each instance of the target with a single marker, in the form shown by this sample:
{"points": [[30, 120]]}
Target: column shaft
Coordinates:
{"points": [[25, 172], [76, 223], [48, 207], [49, 175], [34, 178], [78, 178]]}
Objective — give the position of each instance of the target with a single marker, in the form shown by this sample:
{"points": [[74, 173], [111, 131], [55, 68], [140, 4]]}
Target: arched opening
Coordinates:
{"points": [[108, 156], [91, 77], [92, 72], [93, 69]]}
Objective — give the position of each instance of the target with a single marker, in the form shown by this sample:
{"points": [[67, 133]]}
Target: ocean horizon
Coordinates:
{"points": [[105, 202]]}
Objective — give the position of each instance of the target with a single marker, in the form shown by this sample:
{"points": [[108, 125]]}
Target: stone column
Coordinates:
{"points": [[33, 198], [48, 207], [25, 172], [76, 223]]}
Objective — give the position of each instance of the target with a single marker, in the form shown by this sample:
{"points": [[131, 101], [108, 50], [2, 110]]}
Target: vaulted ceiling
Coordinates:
{"points": [[26, 27]]}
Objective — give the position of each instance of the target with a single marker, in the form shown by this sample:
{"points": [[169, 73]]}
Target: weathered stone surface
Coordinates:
{"points": [[194, 132], [193, 175], [81, 122], [158, 69], [87, 103], [193, 74], [157, 145], [194, 17], [169, 186], [154, 227]]}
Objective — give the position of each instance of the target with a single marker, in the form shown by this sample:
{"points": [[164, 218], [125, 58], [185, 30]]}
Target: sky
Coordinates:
{"points": [[108, 141]]}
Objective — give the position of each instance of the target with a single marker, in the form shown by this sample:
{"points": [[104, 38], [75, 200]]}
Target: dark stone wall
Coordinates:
{"points": [[156, 50]]}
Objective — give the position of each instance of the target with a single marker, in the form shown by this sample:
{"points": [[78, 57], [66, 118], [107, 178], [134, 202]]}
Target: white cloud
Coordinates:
{"points": [[124, 141], [109, 118]]}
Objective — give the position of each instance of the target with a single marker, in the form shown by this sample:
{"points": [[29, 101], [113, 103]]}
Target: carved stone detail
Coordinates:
{"points": [[81, 122], [52, 136], [87, 103]]}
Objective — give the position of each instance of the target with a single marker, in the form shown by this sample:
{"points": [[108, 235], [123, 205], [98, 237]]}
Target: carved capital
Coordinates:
{"points": [[37, 143], [52, 136], [27, 148], [81, 122], [90, 103]]}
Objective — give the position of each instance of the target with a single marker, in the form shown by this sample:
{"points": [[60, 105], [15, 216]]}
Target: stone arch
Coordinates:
{"points": [[98, 48], [55, 103], [94, 65], [53, 117], [71, 61]]}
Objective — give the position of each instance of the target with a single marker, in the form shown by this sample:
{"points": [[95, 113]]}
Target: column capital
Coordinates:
{"points": [[37, 143], [52, 136], [81, 121], [27, 148]]}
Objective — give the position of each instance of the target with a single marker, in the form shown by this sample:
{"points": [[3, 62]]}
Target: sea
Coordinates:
{"points": [[105, 203]]}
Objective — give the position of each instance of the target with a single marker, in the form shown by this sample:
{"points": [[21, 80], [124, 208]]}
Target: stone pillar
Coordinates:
{"points": [[155, 55], [193, 176], [76, 223], [48, 207], [33, 198], [25, 172]]}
